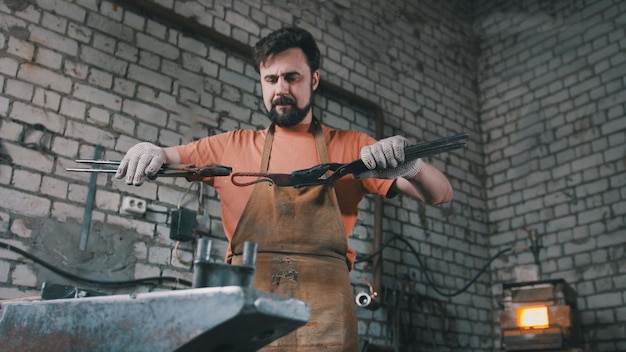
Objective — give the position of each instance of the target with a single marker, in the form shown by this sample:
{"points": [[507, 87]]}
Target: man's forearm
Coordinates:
{"points": [[429, 185], [172, 156]]}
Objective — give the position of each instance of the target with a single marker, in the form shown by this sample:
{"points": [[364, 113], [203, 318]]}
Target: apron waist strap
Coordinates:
{"points": [[263, 256]]}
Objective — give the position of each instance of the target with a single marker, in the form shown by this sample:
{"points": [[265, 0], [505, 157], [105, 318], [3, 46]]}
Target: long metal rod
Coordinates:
{"points": [[166, 170], [377, 264], [91, 195], [419, 150]]}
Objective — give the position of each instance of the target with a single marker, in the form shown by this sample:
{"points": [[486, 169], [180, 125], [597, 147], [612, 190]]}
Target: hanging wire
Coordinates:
{"points": [[182, 197], [425, 269], [177, 255], [121, 283]]}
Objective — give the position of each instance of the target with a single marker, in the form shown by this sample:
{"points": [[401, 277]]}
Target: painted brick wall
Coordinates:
{"points": [[552, 96]]}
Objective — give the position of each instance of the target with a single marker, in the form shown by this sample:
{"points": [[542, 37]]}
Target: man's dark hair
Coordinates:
{"points": [[284, 39]]}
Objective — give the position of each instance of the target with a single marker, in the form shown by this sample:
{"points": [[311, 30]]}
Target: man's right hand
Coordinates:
{"points": [[142, 161]]}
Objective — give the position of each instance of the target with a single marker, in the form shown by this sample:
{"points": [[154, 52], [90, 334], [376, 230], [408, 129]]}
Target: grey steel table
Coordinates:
{"points": [[227, 318]]}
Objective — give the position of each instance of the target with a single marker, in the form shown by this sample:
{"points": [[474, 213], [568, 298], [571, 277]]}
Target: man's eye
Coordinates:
{"points": [[271, 79], [291, 78]]}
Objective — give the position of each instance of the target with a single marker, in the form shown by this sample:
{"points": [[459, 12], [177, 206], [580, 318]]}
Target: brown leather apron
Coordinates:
{"points": [[302, 254]]}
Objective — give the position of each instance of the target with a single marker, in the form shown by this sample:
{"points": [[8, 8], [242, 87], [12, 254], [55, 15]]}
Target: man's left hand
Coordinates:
{"points": [[385, 159]]}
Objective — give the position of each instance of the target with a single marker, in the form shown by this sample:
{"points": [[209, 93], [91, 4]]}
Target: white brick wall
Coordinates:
{"points": [[552, 84]]}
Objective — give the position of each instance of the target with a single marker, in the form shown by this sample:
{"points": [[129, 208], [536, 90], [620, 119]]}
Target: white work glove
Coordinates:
{"points": [[385, 159], [141, 161]]}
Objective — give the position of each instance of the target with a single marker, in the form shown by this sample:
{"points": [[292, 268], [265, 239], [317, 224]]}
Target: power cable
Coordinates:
{"points": [[157, 279], [425, 268]]}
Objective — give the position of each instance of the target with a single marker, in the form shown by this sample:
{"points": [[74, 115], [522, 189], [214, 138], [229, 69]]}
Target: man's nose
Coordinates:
{"points": [[282, 86]]}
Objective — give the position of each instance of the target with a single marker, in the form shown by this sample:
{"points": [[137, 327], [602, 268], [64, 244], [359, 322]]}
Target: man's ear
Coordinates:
{"points": [[315, 79]]}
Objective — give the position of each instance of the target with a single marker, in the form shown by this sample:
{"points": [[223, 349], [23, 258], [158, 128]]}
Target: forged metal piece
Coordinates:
{"points": [[228, 318], [328, 173]]}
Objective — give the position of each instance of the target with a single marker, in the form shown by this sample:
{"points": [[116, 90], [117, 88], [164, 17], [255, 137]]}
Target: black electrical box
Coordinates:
{"points": [[182, 223]]}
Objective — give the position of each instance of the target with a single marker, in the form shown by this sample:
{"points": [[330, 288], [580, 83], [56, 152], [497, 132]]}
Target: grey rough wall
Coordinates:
{"points": [[553, 95]]}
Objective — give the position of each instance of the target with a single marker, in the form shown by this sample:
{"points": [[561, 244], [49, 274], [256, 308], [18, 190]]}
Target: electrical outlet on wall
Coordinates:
{"points": [[133, 206]]}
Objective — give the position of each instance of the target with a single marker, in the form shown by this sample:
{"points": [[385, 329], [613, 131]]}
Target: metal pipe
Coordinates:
{"points": [[365, 300], [202, 262], [91, 194], [249, 253], [378, 218]]}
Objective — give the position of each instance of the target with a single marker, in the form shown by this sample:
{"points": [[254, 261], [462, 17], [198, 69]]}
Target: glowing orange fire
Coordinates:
{"points": [[535, 317]]}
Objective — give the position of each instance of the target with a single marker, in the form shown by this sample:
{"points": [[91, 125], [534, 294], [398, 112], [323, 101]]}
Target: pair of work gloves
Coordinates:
{"points": [[384, 159]]}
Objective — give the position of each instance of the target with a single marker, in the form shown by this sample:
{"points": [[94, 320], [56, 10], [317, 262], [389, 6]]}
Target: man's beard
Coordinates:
{"points": [[292, 116]]}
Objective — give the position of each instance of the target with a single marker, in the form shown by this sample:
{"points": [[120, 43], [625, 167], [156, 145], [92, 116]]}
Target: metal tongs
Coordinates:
{"points": [[318, 175], [167, 170]]}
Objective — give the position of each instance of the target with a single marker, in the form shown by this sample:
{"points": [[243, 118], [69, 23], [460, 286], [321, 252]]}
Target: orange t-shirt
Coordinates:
{"points": [[292, 149]]}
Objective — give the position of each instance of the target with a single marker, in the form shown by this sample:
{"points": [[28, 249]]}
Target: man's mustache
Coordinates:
{"points": [[283, 100]]}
